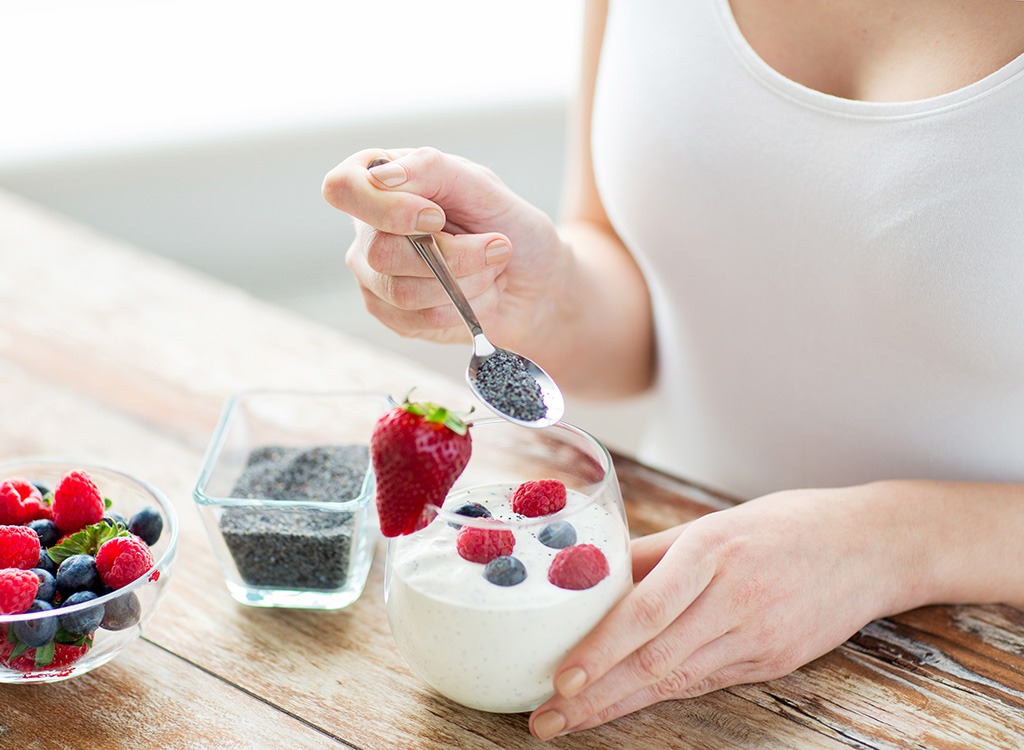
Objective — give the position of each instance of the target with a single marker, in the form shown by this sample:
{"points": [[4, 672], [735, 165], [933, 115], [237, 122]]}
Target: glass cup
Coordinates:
{"points": [[286, 494], [495, 647]]}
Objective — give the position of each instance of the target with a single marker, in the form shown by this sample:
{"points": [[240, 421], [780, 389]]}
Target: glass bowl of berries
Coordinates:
{"points": [[85, 553]]}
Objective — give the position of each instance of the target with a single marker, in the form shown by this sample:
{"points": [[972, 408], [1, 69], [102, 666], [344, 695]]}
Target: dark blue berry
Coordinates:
{"points": [[111, 518], [77, 573], [505, 571], [147, 525], [36, 633], [557, 535], [470, 510], [46, 563], [47, 585], [122, 612], [85, 621], [43, 489], [47, 531]]}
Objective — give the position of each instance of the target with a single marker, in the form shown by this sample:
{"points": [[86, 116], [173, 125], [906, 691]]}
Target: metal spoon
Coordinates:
{"points": [[507, 382]]}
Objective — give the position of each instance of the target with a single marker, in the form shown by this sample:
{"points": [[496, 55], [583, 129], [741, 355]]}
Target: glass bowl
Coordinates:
{"points": [[286, 495], [125, 611], [492, 640]]}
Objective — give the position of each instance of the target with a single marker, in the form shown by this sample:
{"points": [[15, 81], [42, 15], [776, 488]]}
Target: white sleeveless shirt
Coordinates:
{"points": [[838, 286]]}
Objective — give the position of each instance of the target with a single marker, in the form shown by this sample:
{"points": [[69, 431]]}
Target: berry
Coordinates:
{"points": [[470, 510], [578, 567], [147, 525], [77, 573], [418, 450], [46, 530], [505, 571], [17, 590], [76, 502], [47, 585], [84, 621], [46, 562], [38, 632], [20, 502], [540, 497], [19, 547], [123, 559], [483, 545], [121, 612], [557, 535]]}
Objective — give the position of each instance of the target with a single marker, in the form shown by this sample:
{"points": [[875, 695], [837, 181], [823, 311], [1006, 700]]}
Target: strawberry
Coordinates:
{"points": [[123, 559], [77, 502], [483, 545], [418, 450], [578, 567], [21, 502], [19, 547], [17, 590], [540, 497]]}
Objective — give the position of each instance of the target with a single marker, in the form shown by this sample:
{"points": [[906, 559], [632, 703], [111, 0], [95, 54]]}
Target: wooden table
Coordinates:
{"points": [[111, 354]]}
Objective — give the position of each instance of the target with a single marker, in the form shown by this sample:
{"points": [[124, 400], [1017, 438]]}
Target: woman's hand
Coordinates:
{"points": [[739, 596], [506, 253]]}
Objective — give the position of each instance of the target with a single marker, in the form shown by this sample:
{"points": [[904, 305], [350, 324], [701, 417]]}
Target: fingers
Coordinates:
{"points": [[465, 254], [649, 550]]}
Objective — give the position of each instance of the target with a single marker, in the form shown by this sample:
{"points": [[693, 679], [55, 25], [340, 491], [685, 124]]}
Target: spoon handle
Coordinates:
{"points": [[427, 247]]}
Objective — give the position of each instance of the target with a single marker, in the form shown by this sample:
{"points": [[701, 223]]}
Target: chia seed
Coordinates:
{"points": [[295, 547], [506, 384]]}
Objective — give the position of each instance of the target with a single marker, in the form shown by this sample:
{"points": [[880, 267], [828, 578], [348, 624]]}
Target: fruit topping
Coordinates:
{"points": [[147, 524], [39, 632], [19, 547], [46, 530], [557, 535], [482, 545], [578, 567], [81, 622], [123, 559], [47, 585], [505, 571], [17, 590], [77, 502], [418, 450], [77, 573], [21, 502], [470, 510], [539, 497]]}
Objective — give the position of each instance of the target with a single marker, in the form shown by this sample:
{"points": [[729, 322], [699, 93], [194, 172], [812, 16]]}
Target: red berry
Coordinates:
{"points": [[483, 545], [418, 451], [578, 567], [123, 559], [539, 497], [19, 547], [76, 502], [20, 502], [65, 654], [17, 590]]}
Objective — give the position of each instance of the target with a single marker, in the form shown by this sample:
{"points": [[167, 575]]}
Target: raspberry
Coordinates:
{"points": [[20, 502], [17, 590], [483, 545], [76, 502], [539, 497], [19, 547], [123, 559], [578, 567]]}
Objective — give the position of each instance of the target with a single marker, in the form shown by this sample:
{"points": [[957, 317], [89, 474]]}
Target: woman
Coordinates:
{"points": [[802, 225]]}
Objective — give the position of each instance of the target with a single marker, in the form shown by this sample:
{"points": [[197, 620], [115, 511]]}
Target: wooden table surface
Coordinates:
{"points": [[110, 354]]}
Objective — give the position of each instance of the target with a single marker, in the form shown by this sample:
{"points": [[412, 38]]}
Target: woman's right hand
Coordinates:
{"points": [[506, 253]]}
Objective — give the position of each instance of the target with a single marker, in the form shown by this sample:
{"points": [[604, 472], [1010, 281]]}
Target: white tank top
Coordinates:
{"points": [[838, 286]]}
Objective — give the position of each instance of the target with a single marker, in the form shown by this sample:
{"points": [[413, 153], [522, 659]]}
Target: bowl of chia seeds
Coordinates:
{"points": [[286, 495]]}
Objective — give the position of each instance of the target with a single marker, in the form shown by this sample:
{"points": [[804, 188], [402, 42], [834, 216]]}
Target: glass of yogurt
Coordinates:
{"points": [[489, 635]]}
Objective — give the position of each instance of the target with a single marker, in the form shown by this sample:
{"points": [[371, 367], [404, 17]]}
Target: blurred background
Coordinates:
{"points": [[202, 130]]}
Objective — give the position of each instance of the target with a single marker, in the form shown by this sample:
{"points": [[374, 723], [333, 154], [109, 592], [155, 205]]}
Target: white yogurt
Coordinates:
{"points": [[490, 647]]}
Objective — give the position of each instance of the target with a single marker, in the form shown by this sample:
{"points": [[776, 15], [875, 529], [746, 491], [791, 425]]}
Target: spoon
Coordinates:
{"points": [[512, 385]]}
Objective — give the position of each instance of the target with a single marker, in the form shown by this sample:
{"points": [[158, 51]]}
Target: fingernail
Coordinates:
{"points": [[570, 682], [497, 251], [390, 174], [429, 220], [548, 724]]}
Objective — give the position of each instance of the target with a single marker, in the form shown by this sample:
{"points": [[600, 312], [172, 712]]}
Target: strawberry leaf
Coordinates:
{"points": [[20, 648], [44, 655], [107, 502], [86, 542]]}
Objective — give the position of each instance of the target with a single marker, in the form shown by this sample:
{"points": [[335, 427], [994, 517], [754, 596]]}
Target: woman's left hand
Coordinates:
{"points": [[738, 596]]}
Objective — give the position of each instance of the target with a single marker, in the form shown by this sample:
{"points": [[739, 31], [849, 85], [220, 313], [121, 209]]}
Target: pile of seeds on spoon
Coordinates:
{"points": [[507, 386]]}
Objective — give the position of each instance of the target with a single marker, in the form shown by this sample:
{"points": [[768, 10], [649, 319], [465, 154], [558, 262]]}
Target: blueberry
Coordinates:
{"points": [[46, 563], [36, 633], [505, 571], [43, 489], [47, 585], [557, 535], [110, 518], [47, 531], [471, 510], [77, 573], [147, 525], [122, 612], [84, 622]]}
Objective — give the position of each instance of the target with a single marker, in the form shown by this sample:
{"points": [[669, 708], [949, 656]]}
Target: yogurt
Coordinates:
{"points": [[490, 647]]}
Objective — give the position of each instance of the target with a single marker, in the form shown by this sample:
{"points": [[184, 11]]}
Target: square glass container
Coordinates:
{"points": [[287, 496]]}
